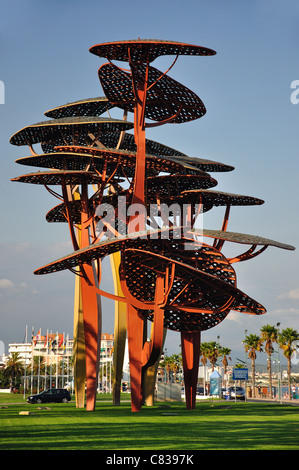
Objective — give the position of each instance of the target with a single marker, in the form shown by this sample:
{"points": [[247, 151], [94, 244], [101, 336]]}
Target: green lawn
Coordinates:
{"points": [[217, 425]]}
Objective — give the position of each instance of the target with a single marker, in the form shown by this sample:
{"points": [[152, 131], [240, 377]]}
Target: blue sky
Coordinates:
{"points": [[250, 124]]}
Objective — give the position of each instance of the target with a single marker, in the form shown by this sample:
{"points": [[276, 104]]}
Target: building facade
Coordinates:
{"points": [[55, 347]]}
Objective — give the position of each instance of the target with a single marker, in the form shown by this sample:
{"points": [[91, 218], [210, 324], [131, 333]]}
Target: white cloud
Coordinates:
{"points": [[6, 284], [291, 311], [235, 317], [292, 294], [22, 247], [7, 287]]}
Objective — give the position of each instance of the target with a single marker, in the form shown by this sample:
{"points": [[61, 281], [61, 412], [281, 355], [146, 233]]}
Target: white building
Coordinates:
{"points": [[53, 347], [57, 350], [23, 349], [56, 347], [107, 342]]}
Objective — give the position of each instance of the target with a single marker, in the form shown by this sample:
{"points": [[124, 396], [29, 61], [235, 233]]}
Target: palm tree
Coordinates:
{"points": [[38, 368], [176, 365], [171, 363], [269, 336], [38, 365], [165, 364], [213, 353], [224, 352], [204, 347], [14, 368], [252, 344], [287, 342]]}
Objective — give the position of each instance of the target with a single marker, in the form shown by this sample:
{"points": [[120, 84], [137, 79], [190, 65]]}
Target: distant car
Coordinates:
{"points": [[200, 391], [53, 395], [236, 392], [223, 392]]}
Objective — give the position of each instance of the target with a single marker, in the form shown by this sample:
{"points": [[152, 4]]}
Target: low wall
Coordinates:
{"points": [[168, 392]]}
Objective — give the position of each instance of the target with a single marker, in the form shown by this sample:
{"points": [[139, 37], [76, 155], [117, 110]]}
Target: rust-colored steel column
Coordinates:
{"points": [[79, 347], [92, 334], [139, 132], [79, 341], [150, 374], [91, 305], [152, 349], [191, 352], [143, 355], [135, 326], [120, 330]]}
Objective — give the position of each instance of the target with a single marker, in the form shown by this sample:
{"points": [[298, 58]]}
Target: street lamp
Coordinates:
{"points": [[245, 348], [246, 366], [278, 361]]}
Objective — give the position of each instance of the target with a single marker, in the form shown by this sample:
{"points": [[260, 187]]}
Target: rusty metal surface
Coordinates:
{"points": [[118, 162], [203, 164], [218, 198], [57, 177], [208, 291], [97, 106], [109, 140], [87, 107], [58, 213], [165, 97], [204, 280], [173, 185], [207, 198], [146, 50], [242, 238], [73, 126], [127, 158], [107, 247]]}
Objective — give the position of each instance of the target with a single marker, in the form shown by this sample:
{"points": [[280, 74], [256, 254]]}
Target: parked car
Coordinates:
{"points": [[236, 392], [200, 391], [53, 395], [224, 392]]}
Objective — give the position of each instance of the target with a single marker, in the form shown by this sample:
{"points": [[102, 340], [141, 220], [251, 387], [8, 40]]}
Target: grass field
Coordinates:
{"points": [[217, 425]]}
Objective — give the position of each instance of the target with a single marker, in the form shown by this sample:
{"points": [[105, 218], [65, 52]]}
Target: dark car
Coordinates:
{"points": [[53, 395]]}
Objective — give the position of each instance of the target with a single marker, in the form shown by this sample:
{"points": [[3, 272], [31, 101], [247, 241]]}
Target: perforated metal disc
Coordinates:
{"points": [[146, 50]]}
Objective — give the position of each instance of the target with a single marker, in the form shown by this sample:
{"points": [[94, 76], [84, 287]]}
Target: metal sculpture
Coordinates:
{"points": [[165, 272]]}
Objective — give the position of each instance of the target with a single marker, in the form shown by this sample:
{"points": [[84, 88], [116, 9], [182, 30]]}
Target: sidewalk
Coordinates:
{"points": [[284, 401]]}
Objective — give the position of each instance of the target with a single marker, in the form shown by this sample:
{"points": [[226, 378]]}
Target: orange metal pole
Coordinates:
{"points": [[139, 180], [135, 327], [91, 306], [142, 354], [139, 132], [135, 324], [152, 348], [191, 352]]}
